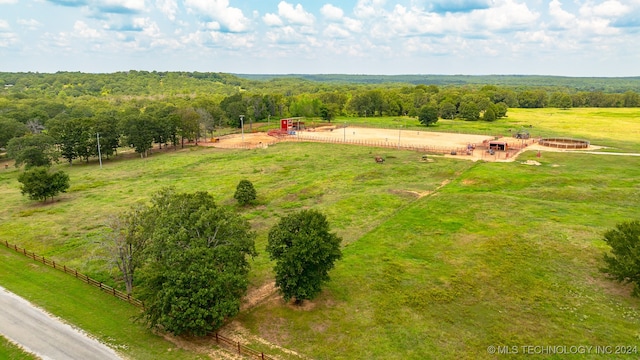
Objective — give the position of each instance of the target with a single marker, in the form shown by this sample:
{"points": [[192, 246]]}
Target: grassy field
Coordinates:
{"points": [[441, 259]]}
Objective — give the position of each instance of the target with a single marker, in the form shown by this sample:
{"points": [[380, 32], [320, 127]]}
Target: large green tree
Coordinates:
{"points": [[428, 114], [138, 130], [623, 262], [9, 129], [71, 135], [32, 150], [40, 184], [196, 267], [304, 250], [469, 111]]}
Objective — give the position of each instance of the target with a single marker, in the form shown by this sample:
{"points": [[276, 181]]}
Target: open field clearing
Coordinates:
{"points": [[618, 128], [442, 258]]}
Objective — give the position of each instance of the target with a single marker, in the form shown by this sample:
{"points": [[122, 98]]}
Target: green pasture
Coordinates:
{"points": [[441, 259], [505, 255]]}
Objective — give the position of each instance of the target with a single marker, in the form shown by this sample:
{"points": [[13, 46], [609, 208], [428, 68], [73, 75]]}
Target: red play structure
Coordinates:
{"points": [[288, 126]]}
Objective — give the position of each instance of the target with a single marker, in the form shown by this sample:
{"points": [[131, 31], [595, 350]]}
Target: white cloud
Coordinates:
{"points": [[562, 18], [332, 12], [335, 31], [506, 15], [369, 8], [285, 35], [149, 27], [81, 29], [168, 7], [272, 20], [218, 40], [7, 39], [121, 6], [295, 15], [402, 34], [352, 24], [608, 9], [412, 21], [30, 24], [230, 18]]}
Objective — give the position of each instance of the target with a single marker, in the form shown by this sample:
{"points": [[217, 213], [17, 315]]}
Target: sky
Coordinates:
{"points": [[378, 37]]}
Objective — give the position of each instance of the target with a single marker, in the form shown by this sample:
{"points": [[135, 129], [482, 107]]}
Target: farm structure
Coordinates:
{"points": [[289, 125], [498, 145]]}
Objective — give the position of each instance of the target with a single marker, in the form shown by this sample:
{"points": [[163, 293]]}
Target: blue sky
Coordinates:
{"points": [[473, 37]]}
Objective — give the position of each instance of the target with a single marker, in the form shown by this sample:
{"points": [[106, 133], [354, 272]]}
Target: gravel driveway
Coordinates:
{"points": [[45, 336]]}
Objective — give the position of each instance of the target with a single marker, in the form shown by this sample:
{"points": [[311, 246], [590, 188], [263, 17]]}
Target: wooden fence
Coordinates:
{"points": [[241, 349], [106, 288], [382, 144], [220, 340]]}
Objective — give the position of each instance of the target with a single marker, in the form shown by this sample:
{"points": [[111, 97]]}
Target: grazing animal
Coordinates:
{"points": [[379, 159]]}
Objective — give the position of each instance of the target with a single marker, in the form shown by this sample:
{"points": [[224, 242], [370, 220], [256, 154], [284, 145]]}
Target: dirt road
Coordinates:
{"points": [[42, 335]]}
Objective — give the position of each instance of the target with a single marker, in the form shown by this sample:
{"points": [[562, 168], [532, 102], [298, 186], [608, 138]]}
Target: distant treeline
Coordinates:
{"points": [[549, 83], [139, 108]]}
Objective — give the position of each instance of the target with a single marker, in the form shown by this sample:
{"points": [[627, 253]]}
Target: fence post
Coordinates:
{"points": [[239, 352]]}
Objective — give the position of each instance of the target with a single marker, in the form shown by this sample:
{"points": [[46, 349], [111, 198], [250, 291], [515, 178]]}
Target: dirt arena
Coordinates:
{"points": [[374, 137]]}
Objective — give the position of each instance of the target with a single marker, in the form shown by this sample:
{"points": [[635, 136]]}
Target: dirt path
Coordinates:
{"points": [[259, 295]]}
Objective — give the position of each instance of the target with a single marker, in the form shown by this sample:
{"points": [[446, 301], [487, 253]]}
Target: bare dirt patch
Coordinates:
{"points": [[237, 332], [410, 193], [251, 140], [259, 295], [406, 137]]}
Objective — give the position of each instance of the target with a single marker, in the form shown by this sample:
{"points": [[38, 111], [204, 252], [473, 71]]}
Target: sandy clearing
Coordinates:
{"points": [[390, 138]]}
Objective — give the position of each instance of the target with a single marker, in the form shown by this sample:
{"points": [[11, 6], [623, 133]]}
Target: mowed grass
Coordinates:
{"points": [[104, 317], [502, 254], [9, 350]]}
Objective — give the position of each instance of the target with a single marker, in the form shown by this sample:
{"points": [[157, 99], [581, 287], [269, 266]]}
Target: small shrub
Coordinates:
{"points": [[245, 193]]}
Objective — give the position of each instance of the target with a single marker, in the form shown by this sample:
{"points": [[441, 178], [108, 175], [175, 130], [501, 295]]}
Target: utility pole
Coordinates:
{"points": [[99, 154], [242, 126], [345, 133]]}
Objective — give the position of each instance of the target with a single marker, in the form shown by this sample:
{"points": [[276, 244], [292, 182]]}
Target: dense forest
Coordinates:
{"points": [[140, 108]]}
